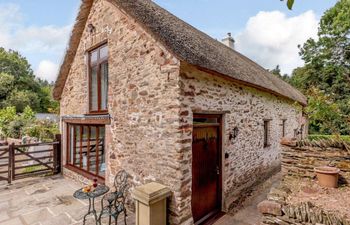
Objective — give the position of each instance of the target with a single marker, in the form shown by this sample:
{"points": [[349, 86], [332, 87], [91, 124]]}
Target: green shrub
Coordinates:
{"points": [[44, 130], [18, 125], [316, 137]]}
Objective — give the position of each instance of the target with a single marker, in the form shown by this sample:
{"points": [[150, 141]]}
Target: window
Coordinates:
{"points": [[284, 127], [86, 148], [266, 133], [98, 80]]}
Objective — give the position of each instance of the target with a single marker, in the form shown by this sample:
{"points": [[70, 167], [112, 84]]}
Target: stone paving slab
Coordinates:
{"points": [[49, 201], [45, 201], [248, 214]]}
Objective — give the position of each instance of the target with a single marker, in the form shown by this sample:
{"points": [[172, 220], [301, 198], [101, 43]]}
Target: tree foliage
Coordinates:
{"points": [[20, 88], [277, 72], [327, 69], [290, 4], [324, 114]]}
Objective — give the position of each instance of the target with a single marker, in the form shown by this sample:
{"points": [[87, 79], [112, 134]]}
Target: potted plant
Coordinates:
{"points": [[327, 176]]}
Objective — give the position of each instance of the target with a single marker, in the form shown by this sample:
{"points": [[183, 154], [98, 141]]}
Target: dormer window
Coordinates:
{"points": [[98, 80]]}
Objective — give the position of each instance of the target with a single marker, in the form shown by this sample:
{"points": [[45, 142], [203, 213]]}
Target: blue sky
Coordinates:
{"points": [[265, 30]]}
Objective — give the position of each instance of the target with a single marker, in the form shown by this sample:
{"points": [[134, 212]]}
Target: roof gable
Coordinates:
{"points": [[188, 44]]}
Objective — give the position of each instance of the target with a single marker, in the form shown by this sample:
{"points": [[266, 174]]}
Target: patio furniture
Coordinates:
{"points": [[112, 204], [99, 191]]}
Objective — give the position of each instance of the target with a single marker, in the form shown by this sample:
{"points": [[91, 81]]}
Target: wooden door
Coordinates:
{"points": [[206, 168]]}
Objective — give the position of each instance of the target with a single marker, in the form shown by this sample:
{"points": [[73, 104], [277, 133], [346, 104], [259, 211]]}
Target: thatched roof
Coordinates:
{"points": [[189, 45], [73, 45]]}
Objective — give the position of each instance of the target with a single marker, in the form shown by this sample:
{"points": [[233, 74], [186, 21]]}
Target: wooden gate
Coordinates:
{"points": [[4, 164], [27, 160], [206, 167]]}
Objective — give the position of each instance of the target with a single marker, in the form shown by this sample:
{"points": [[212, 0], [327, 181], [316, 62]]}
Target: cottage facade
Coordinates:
{"points": [[143, 91]]}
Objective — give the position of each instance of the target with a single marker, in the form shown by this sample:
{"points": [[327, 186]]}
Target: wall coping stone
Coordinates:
{"points": [[150, 193]]}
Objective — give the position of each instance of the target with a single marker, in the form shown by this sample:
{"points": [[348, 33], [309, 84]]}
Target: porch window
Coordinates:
{"points": [[86, 149], [267, 133], [98, 79]]}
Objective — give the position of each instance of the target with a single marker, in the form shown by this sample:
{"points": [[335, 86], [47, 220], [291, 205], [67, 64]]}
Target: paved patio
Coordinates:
{"points": [[248, 213], [49, 201], [44, 201]]}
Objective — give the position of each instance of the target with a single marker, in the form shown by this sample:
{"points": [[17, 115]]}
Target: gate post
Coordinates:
{"points": [[11, 164], [57, 154]]}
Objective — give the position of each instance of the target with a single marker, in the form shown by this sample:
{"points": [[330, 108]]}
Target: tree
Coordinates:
{"points": [[277, 72], [20, 88], [22, 99], [327, 63], [324, 114], [7, 82], [290, 4]]}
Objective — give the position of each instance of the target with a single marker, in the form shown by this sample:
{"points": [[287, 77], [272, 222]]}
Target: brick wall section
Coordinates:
{"points": [[246, 109]]}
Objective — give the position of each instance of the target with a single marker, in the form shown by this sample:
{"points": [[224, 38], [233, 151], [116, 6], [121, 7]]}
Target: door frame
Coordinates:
{"points": [[218, 116]]}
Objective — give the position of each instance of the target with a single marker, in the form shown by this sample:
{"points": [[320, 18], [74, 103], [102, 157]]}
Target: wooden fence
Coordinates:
{"points": [[27, 160]]}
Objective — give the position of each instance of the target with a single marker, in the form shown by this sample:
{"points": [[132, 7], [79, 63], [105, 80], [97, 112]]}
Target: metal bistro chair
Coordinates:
{"points": [[112, 204]]}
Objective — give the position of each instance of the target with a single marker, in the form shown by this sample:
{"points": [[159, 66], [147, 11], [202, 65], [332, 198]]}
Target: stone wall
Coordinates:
{"points": [[151, 108], [142, 101], [300, 159], [277, 210], [299, 199], [245, 108]]}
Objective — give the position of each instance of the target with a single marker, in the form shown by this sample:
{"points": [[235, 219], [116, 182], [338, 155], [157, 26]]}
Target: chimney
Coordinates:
{"points": [[229, 41]]}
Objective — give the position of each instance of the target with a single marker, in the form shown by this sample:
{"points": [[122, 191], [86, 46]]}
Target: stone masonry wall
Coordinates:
{"points": [[298, 199], [245, 108], [142, 102], [151, 107], [277, 209], [300, 161]]}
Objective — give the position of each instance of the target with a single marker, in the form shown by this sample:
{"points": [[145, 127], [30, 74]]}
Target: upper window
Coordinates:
{"points": [[98, 79], [266, 133]]}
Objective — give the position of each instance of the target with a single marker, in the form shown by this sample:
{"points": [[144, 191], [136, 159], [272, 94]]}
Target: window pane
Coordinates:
{"points": [[85, 147], [85, 144], [92, 150], [93, 57], [104, 86], [102, 164], [94, 90], [104, 52], [77, 146], [71, 144]]}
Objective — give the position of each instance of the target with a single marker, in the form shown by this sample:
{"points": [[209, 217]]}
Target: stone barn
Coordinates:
{"points": [[142, 90]]}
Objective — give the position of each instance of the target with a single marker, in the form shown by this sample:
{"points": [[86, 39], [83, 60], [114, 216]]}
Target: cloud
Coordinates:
{"points": [[271, 38], [41, 39], [41, 42], [47, 70]]}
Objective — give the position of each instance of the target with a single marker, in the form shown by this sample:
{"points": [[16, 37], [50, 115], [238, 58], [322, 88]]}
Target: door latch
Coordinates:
{"points": [[217, 170]]}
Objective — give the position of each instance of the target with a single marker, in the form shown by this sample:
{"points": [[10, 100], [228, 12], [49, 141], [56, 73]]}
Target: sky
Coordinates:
{"points": [[264, 30]]}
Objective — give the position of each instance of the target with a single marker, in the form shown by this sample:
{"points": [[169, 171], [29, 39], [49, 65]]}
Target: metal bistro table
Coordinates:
{"points": [[99, 191]]}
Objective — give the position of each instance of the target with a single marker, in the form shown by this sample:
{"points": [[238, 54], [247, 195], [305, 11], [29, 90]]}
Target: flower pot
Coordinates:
{"points": [[327, 176]]}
